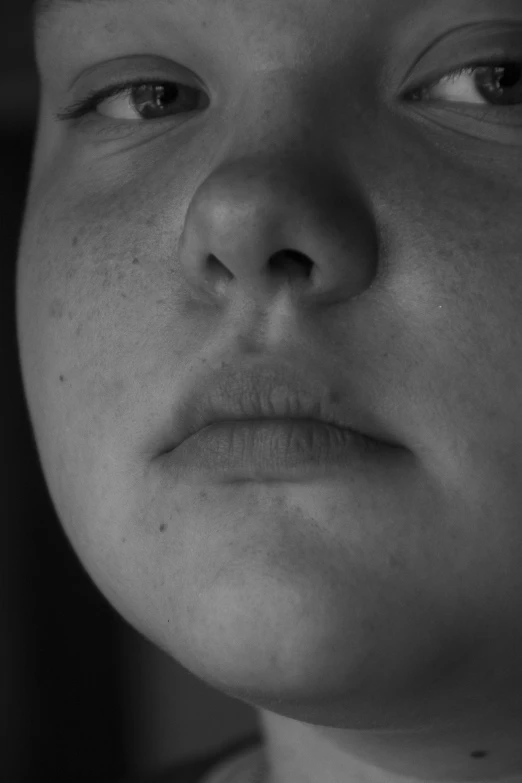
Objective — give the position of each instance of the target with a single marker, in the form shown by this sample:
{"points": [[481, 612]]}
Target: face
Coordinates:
{"points": [[148, 255]]}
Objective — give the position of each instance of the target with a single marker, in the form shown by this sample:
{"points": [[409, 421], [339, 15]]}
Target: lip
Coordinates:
{"points": [[271, 450], [255, 389]]}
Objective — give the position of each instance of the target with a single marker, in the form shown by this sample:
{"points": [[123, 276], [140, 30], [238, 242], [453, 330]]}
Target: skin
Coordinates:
{"points": [[375, 621]]}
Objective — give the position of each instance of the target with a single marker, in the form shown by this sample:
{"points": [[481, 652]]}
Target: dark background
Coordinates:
{"points": [[84, 697]]}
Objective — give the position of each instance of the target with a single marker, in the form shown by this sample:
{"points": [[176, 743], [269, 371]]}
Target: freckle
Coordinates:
{"points": [[62, 379], [123, 540], [479, 754], [75, 241], [135, 261], [163, 527]]}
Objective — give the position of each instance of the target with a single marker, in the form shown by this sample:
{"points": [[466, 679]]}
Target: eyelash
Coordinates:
{"points": [[88, 105], [93, 99]]}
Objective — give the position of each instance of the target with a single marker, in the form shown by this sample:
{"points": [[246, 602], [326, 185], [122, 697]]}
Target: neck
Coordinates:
{"points": [[303, 753]]}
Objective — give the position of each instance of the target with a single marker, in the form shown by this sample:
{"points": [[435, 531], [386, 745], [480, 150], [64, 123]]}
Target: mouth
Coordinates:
{"points": [[260, 418], [271, 450]]}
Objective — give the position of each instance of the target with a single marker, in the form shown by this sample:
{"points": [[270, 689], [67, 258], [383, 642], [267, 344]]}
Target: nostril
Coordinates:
{"points": [[290, 262]]}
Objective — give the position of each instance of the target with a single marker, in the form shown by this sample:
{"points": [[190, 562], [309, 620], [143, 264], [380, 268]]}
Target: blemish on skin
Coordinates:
{"points": [[75, 241], [136, 261], [123, 540], [62, 378], [163, 527], [56, 308], [479, 754]]}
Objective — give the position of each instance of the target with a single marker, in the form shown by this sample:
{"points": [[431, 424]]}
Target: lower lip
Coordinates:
{"points": [[270, 450]]}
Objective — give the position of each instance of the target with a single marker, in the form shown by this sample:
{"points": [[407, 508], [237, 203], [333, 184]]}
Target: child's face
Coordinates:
{"points": [[145, 262]]}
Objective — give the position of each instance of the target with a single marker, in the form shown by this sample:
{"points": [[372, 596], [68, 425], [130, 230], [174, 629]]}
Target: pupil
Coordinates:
{"points": [[501, 85], [154, 94], [511, 75], [151, 99]]}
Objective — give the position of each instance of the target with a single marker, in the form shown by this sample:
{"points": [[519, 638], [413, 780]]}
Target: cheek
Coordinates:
{"points": [[91, 315], [78, 324], [80, 379]]}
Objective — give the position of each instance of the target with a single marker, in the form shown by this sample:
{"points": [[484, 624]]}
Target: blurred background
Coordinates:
{"points": [[85, 697]]}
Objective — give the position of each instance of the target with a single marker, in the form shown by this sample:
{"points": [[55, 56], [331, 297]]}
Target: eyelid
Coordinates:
{"points": [[143, 65], [449, 52], [93, 98], [428, 82], [124, 72], [86, 110]]}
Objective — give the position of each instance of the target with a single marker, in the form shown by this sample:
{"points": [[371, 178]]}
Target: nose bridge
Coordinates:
{"points": [[279, 111], [274, 35]]}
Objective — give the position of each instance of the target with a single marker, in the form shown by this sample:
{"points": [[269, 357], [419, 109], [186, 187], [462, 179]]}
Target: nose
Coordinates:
{"points": [[260, 225]]}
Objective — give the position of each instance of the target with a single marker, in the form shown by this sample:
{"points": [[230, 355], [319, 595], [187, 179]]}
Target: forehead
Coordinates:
{"points": [[41, 9], [45, 6]]}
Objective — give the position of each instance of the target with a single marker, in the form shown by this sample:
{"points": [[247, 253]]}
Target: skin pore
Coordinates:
{"points": [[373, 620]]}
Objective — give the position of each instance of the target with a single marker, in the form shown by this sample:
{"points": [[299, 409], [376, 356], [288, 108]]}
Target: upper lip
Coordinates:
{"points": [[259, 389]]}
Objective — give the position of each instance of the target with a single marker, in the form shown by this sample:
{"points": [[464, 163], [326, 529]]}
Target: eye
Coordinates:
{"points": [[139, 100], [495, 84]]}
